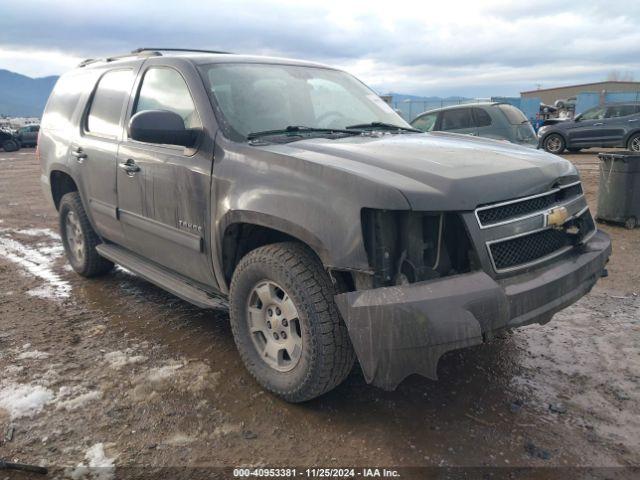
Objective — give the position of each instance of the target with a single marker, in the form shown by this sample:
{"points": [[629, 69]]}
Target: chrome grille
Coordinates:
{"points": [[493, 215]]}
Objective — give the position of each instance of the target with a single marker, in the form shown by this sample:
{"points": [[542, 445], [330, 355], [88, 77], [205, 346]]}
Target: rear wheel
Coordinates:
{"points": [[10, 145], [285, 323], [554, 143], [634, 143], [79, 238]]}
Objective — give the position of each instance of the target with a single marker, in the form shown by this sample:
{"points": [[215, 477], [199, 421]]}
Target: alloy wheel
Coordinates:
{"points": [[554, 144], [75, 237], [274, 326]]}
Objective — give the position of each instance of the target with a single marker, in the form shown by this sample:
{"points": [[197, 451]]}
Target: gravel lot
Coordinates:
{"points": [[114, 372]]}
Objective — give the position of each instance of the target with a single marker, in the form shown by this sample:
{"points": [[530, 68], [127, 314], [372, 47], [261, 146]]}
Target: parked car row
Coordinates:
{"points": [[612, 125], [13, 140]]}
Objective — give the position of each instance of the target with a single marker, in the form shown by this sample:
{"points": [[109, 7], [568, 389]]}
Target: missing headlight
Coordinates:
{"points": [[406, 247]]}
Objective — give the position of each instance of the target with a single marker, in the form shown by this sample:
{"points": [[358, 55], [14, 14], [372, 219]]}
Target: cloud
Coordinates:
{"points": [[453, 47]]}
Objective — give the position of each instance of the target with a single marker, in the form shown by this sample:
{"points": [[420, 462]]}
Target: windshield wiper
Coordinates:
{"points": [[299, 129], [383, 126]]}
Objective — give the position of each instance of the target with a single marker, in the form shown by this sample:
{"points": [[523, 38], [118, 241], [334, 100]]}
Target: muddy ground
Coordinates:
{"points": [[115, 372]]}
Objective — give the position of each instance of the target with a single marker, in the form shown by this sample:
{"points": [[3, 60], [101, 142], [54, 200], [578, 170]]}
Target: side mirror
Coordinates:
{"points": [[577, 118], [160, 126]]}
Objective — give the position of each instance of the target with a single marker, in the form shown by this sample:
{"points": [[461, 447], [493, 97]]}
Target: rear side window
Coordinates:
{"points": [[621, 111], [63, 101], [456, 119], [513, 114], [108, 101], [426, 123], [165, 89], [483, 119]]}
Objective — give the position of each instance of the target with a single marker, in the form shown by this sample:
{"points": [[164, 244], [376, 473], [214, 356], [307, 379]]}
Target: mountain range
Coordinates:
{"points": [[22, 96]]}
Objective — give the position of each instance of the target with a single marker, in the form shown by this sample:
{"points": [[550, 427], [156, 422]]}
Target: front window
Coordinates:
{"points": [[426, 123], [593, 114], [259, 97]]}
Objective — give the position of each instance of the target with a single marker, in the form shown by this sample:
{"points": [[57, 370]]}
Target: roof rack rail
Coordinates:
{"points": [[145, 49], [112, 58], [144, 52]]}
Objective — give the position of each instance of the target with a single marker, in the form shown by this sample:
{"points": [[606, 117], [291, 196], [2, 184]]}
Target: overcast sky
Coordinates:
{"points": [[445, 47]]}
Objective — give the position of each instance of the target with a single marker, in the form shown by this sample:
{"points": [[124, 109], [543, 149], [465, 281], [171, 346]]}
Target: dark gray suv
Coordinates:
{"points": [[291, 193], [613, 125]]}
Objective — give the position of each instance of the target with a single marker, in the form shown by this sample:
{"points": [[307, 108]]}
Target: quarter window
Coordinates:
{"points": [[456, 119], [107, 103], [165, 89]]}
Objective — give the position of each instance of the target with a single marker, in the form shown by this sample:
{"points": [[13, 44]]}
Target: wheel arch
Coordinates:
{"points": [[629, 135], [61, 183], [243, 231]]}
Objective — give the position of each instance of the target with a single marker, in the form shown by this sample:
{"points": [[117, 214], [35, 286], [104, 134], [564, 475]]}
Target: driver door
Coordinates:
{"points": [[164, 190]]}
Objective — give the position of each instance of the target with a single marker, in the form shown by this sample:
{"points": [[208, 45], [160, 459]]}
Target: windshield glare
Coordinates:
{"points": [[258, 97]]}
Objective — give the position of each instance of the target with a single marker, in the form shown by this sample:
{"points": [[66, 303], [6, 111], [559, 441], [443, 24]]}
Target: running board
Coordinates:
{"points": [[163, 278]]}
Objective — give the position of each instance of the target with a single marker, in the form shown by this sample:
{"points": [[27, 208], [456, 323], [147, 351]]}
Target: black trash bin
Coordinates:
{"points": [[619, 189]]}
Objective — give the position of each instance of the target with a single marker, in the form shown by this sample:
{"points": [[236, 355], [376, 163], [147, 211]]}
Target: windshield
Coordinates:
{"points": [[259, 97]]}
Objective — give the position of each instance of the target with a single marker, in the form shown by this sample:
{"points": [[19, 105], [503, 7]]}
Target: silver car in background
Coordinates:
{"points": [[497, 120]]}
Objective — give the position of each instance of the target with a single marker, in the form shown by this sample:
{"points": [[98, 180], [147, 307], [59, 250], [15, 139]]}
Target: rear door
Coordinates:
{"points": [[620, 119], [164, 190], [95, 151], [458, 120]]}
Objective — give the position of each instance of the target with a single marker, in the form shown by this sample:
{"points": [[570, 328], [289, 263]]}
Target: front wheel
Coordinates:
{"points": [[10, 145], [79, 238], [285, 322], [554, 143], [634, 143]]}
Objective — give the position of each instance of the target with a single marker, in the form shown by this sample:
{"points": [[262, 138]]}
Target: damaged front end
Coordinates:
{"points": [[435, 288]]}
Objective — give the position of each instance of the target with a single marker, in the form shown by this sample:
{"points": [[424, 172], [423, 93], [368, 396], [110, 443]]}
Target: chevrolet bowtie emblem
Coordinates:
{"points": [[556, 217]]}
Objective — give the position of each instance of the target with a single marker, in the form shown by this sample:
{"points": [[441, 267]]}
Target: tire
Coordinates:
{"points": [[326, 357], [554, 143], [10, 146], [631, 223], [634, 143], [79, 238], [574, 150]]}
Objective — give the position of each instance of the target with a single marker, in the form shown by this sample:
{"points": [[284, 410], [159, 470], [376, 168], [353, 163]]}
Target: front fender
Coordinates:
{"points": [[305, 198]]}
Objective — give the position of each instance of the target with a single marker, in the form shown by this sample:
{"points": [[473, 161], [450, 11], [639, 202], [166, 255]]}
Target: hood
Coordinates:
{"points": [[438, 171]]}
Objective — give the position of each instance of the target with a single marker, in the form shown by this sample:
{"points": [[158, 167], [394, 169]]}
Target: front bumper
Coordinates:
{"points": [[401, 330]]}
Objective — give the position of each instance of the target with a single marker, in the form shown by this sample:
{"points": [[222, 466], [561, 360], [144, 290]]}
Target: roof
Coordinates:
{"points": [[582, 85], [463, 105], [199, 57]]}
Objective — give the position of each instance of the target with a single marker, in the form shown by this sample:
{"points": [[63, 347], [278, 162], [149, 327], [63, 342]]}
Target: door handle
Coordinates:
{"points": [[130, 167], [598, 124], [79, 154], [633, 120]]}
